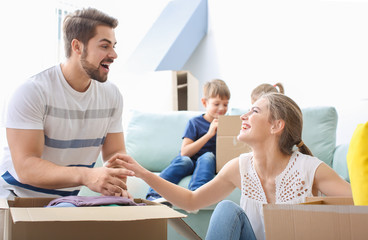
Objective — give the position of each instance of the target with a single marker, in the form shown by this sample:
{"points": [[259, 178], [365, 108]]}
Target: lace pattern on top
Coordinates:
{"points": [[290, 184], [251, 186], [252, 190]]}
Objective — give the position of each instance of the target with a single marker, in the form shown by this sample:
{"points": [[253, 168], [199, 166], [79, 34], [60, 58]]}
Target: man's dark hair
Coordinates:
{"points": [[81, 25]]}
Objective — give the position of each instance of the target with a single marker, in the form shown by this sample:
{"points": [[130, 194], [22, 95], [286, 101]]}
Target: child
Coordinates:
{"points": [[265, 88], [272, 128], [197, 155]]}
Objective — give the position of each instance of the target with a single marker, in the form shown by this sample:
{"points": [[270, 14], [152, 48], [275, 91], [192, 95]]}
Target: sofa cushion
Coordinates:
{"points": [[357, 160], [339, 161], [319, 131], [237, 111], [154, 138]]}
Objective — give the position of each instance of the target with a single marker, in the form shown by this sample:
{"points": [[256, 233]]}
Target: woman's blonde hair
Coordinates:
{"points": [[281, 107]]}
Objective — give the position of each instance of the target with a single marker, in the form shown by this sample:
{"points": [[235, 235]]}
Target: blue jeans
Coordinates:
{"points": [[229, 222], [203, 170]]}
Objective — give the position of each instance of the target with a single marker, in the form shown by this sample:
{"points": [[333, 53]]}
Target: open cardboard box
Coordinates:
{"points": [[3, 217], [318, 218], [27, 218], [227, 144]]}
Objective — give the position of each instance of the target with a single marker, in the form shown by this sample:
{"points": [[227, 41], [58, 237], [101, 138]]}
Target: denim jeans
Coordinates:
{"points": [[229, 222], [203, 170]]}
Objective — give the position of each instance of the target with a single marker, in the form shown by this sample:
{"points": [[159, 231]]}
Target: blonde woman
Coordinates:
{"points": [[272, 173]]}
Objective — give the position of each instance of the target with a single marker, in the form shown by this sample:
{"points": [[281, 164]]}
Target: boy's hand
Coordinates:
{"points": [[213, 127]]}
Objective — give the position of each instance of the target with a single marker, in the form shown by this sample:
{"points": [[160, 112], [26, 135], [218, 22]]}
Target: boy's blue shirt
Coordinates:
{"points": [[195, 129]]}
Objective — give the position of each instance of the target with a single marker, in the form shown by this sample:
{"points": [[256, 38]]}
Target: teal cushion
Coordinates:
{"points": [[154, 138], [237, 111], [319, 131], [340, 164]]}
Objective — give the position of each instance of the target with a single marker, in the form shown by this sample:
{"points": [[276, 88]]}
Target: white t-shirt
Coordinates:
{"points": [[292, 186], [75, 124]]}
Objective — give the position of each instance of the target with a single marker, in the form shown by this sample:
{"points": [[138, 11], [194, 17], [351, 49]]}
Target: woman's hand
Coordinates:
{"points": [[114, 163], [126, 161]]}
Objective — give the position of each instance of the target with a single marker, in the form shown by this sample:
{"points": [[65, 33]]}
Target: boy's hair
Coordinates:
{"points": [[214, 88], [82, 24], [266, 88]]}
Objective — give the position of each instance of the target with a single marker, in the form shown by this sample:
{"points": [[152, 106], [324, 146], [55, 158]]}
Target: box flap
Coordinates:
{"points": [[121, 213], [29, 202], [183, 229], [347, 209], [4, 213], [3, 203], [330, 200]]}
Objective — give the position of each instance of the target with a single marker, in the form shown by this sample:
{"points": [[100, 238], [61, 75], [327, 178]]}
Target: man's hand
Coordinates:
{"points": [[108, 181], [125, 193]]}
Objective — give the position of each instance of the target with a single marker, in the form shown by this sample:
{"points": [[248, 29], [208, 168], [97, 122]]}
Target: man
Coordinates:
{"points": [[60, 120]]}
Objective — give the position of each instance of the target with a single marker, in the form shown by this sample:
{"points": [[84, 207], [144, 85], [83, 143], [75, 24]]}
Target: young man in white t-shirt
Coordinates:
{"points": [[60, 120]]}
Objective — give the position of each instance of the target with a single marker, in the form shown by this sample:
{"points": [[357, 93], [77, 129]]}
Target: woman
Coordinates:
{"points": [[271, 173]]}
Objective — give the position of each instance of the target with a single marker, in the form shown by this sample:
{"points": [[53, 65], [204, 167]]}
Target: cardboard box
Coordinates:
{"points": [[27, 218], [318, 218], [227, 144], [3, 217]]}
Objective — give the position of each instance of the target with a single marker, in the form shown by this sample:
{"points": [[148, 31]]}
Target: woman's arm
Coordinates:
{"points": [[212, 192], [327, 181]]}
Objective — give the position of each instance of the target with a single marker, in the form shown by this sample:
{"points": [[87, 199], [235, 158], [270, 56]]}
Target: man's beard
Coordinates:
{"points": [[91, 70]]}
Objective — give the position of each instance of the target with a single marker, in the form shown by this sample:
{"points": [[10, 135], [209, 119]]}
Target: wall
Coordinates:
{"points": [[150, 91], [317, 49], [26, 40], [29, 45]]}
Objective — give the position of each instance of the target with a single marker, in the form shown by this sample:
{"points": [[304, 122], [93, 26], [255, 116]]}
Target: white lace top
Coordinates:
{"points": [[292, 186]]}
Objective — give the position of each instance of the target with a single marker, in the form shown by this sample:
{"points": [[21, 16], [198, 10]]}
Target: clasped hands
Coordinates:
{"points": [[112, 177]]}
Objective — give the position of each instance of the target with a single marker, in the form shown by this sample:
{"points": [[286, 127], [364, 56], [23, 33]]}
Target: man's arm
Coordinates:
{"points": [[114, 143], [26, 147], [113, 146]]}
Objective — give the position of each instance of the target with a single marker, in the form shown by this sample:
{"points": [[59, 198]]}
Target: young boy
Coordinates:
{"points": [[198, 149]]}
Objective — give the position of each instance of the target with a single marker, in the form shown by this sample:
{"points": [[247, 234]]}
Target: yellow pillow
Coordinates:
{"points": [[357, 160]]}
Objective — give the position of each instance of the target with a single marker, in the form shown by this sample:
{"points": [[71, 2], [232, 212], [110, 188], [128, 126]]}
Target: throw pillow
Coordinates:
{"points": [[357, 160]]}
